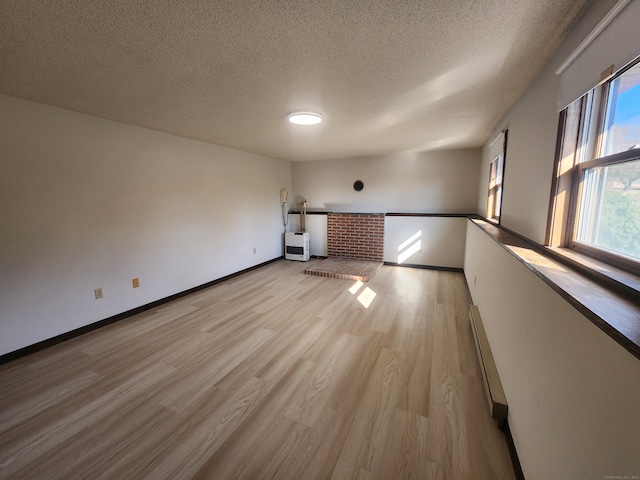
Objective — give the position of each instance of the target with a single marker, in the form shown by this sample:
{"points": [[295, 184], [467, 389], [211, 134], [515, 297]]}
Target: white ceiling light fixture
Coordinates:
{"points": [[305, 118]]}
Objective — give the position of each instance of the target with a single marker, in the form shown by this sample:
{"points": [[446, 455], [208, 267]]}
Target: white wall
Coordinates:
{"points": [[427, 182], [87, 203], [533, 124], [572, 390], [436, 241], [428, 241]]}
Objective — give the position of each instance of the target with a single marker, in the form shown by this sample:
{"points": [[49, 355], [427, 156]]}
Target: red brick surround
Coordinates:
{"points": [[356, 235]]}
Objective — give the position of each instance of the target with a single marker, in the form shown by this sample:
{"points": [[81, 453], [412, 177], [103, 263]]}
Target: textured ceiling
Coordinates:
{"points": [[388, 76]]}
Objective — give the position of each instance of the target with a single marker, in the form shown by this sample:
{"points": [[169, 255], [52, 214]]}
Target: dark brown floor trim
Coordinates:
{"points": [[425, 267], [515, 461], [8, 357]]}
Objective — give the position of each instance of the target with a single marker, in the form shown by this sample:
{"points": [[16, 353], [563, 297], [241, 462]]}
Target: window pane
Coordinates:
{"points": [[587, 109], [622, 121], [494, 201], [610, 208]]}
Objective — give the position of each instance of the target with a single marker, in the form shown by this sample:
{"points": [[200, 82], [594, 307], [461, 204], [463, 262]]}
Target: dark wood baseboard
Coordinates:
{"points": [[515, 461], [22, 352], [425, 267]]}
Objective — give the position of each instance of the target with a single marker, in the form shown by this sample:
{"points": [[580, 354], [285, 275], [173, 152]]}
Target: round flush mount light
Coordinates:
{"points": [[305, 118]]}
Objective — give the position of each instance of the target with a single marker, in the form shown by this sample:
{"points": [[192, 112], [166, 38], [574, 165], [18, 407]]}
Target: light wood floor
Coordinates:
{"points": [[273, 374]]}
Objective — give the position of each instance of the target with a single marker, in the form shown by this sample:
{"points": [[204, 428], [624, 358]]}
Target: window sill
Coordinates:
{"points": [[610, 298], [626, 283]]}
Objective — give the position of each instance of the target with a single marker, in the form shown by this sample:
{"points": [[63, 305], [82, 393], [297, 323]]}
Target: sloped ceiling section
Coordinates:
{"points": [[388, 76]]}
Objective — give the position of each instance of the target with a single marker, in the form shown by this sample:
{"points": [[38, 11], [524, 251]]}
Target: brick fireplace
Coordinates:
{"points": [[356, 235]]}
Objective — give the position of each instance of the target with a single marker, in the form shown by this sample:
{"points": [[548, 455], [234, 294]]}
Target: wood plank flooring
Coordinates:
{"points": [[272, 374]]}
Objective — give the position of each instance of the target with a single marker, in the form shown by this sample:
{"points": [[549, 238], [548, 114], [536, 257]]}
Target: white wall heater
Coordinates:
{"points": [[296, 246]]}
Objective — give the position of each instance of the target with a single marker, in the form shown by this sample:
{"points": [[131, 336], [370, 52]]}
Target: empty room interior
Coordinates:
{"points": [[344, 240]]}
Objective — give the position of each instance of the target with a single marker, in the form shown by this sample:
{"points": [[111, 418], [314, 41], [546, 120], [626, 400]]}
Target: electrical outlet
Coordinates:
{"points": [[98, 293], [254, 249], [136, 282]]}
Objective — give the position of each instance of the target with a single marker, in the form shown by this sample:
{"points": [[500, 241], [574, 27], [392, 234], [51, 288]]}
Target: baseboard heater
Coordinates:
{"points": [[492, 386]]}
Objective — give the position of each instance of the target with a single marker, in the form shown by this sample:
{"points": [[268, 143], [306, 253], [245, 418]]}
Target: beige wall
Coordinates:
{"points": [[572, 390], [87, 203], [533, 124], [428, 241], [427, 182]]}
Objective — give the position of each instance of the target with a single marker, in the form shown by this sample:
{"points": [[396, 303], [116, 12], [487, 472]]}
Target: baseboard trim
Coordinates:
{"points": [[515, 461], [425, 267], [36, 347]]}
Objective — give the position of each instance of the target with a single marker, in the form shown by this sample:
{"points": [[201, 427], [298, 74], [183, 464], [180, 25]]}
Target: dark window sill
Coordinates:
{"points": [[616, 278], [609, 297]]}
